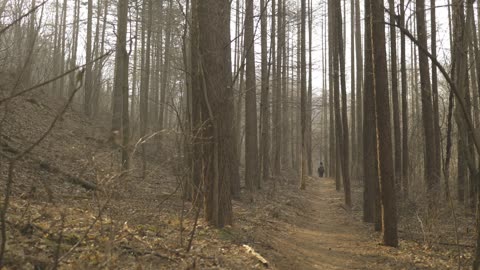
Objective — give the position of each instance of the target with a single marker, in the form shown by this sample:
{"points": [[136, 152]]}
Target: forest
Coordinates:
{"points": [[239, 134]]}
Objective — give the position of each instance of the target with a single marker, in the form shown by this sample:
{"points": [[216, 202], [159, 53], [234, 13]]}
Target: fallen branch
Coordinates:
{"points": [[83, 183], [259, 257], [68, 177], [192, 234], [137, 252]]}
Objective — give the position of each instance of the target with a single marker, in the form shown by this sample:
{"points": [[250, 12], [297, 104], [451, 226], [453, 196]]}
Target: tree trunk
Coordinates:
{"points": [[359, 107], [403, 70], [264, 102], [395, 102], [384, 139], [73, 59], [285, 111], [309, 94], [333, 123], [436, 111], [215, 67], [197, 108], [165, 74], [427, 109], [276, 146], [251, 142], [96, 65], [370, 177], [133, 103], [121, 81], [88, 58], [345, 154], [145, 82], [303, 95], [353, 126], [63, 37]]}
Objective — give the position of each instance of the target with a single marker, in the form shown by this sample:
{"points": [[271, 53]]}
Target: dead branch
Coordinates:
{"points": [[137, 252], [259, 257], [453, 87], [22, 17], [192, 234], [30, 89], [68, 177]]}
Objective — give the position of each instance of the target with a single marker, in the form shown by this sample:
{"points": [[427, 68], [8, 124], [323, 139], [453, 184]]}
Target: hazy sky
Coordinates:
{"points": [[318, 41]]}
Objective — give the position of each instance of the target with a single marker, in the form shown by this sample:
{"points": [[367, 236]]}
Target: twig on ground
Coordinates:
{"points": [[423, 229], [85, 234], [192, 234], [59, 244], [136, 252]]}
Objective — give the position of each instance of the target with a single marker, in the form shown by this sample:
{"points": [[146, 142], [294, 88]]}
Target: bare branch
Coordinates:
{"points": [[54, 79], [23, 16]]}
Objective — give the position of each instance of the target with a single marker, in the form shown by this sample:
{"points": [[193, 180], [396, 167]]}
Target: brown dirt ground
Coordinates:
{"points": [[323, 235]]}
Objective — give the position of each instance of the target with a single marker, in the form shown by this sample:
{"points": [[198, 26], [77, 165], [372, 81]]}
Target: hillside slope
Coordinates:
{"points": [[70, 206]]}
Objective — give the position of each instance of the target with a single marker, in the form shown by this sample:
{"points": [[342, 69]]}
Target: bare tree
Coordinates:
{"points": [[251, 141], [120, 110], [147, 11], [88, 71], [403, 70], [303, 95], [216, 78], [264, 102], [427, 108], [370, 175], [382, 116], [395, 102]]}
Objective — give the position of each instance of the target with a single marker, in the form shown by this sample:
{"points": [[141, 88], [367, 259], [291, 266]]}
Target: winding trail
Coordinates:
{"points": [[323, 235]]}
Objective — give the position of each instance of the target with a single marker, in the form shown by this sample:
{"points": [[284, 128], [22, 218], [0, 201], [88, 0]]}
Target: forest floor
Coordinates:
{"points": [[324, 235], [130, 222]]}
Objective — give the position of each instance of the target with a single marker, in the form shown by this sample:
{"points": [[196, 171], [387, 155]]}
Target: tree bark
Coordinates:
{"points": [[264, 100], [345, 150], [251, 141], [88, 58], [395, 102], [145, 82], [165, 74], [403, 70], [427, 109], [370, 177], [215, 67], [303, 95], [384, 139], [276, 146], [359, 88], [309, 93], [121, 81], [436, 111]]}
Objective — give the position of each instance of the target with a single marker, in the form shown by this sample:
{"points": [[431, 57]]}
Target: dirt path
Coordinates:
{"points": [[326, 236]]}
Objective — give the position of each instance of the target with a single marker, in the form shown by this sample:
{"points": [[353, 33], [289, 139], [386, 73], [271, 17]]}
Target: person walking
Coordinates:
{"points": [[321, 170]]}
